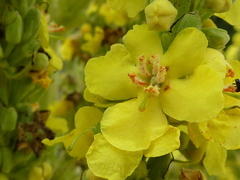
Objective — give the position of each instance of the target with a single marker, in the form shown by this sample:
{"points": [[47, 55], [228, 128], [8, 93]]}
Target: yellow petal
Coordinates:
{"points": [[127, 128], [216, 61], [196, 98], [138, 41], [217, 129], [195, 135], [85, 118], [233, 15], [232, 141], [106, 161], [96, 99], [183, 58], [165, 144], [57, 124], [215, 159], [107, 76]]}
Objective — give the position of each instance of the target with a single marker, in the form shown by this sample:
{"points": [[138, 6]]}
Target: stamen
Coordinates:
{"points": [[143, 63], [230, 88], [142, 106], [154, 90], [234, 87], [230, 73], [137, 80], [160, 77]]}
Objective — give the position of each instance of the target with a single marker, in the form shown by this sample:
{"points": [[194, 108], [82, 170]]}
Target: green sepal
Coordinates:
{"points": [[20, 6], [23, 50], [140, 172], [158, 166], [191, 19], [234, 95], [182, 6], [31, 24], [184, 140], [194, 154]]}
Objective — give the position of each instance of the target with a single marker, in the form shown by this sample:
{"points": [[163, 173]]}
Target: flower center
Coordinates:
{"points": [[151, 74]]}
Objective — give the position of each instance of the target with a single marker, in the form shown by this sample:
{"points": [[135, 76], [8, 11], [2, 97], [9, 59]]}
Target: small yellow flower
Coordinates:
{"points": [[112, 16], [132, 7], [85, 119], [93, 42], [67, 49]]}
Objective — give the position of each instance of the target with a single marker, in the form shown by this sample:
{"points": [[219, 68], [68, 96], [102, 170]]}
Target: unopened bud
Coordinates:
{"points": [[40, 61], [218, 6], [217, 38], [160, 15], [9, 119]]}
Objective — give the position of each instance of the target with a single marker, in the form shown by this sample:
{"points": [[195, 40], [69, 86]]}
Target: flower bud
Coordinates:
{"points": [[160, 15], [217, 38], [40, 62], [218, 6], [9, 119]]}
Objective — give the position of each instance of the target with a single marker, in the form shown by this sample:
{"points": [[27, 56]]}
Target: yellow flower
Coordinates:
{"points": [[85, 119], [67, 49], [107, 161], [112, 16], [132, 7], [41, 172], [220, 133], [185, 83], [93, 42]]}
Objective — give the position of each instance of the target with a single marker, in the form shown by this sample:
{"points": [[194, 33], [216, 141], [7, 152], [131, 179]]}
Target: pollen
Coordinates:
{"points": [[137, 80], [154, 90]]}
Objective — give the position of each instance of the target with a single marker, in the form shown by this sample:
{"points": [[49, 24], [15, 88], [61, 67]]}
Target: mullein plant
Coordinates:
{"points": [[164, 97], [163, 101], [27, 64]]}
